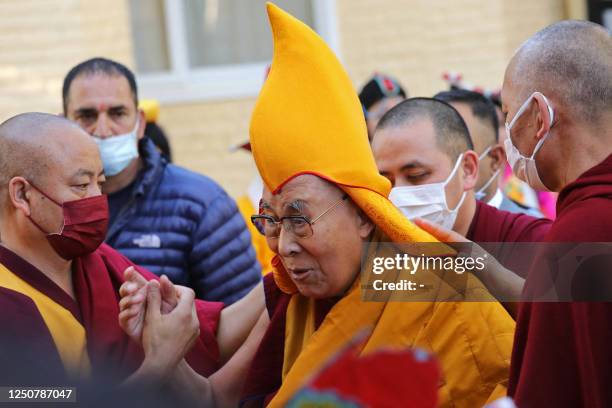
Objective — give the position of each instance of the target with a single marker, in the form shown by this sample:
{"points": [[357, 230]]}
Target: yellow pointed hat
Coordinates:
{"points": [[308, 120]]}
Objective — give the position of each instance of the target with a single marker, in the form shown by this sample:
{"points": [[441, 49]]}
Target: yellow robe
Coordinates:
{"points": [[264, 254], [472, 340]]}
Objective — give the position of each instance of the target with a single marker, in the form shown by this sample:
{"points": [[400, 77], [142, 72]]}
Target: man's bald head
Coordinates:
{"points": [[570, 62], [452, 135], [32, 143]]}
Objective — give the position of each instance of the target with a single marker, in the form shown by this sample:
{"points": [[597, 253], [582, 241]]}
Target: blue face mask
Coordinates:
{"points": [[117, 152]]}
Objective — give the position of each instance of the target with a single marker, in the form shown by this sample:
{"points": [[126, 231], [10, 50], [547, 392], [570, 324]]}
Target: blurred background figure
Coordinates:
{"points": [[153, 131], [479, 115], [377, 96], [248, 204]]}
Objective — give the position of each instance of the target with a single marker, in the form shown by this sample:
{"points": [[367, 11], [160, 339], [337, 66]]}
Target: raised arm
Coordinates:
{"points": [[503, 283], [222, 389]]}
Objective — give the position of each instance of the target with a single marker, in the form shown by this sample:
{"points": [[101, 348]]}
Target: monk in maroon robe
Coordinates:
{"points": [[422, 142], [557, 98], [562, 355], [59, 287]]}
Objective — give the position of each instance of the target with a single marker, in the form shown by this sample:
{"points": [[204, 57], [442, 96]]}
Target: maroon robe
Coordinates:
{"points": [[264, 376], [508, 236], [96, 278], [562, 354], [492, 225]]}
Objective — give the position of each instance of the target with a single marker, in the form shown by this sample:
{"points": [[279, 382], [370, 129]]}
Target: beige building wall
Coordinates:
{"points": [[43, 39], [414, 40]]}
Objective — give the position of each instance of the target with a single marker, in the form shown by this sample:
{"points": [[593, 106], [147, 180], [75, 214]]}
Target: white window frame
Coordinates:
{"points": [[182, 84]]}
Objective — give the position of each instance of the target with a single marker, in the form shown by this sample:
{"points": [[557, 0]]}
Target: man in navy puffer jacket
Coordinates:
{"points": [[162, 217]]}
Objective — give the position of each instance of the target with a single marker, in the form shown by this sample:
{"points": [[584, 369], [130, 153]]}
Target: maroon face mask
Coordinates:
{"points": [[84, 227]]}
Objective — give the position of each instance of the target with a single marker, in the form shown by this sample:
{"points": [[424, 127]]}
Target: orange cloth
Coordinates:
{"points": [[308, 120], [263, 251]]}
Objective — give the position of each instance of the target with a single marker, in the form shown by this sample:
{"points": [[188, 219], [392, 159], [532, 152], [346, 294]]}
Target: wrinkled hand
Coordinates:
{"points": [[133, 303], [166, 338]]}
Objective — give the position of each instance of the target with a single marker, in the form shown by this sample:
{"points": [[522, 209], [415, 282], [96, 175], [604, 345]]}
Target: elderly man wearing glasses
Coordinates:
{"points": [[325, 213]]}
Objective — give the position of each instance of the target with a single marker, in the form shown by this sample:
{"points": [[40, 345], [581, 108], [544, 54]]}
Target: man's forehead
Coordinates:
{"points": [[88, 164], [411, 139], [100, 91], [306, 188], [72, 144]]}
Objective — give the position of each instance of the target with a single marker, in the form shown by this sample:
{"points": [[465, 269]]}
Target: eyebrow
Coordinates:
{"points": [[412, 165], [296, 206], [82, 111], [88, 173], [90, 109], [117, 108]]}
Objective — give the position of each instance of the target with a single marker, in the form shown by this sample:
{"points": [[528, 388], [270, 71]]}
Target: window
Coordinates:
{"points": [[600, 12], [606, 18], [189, 50]]}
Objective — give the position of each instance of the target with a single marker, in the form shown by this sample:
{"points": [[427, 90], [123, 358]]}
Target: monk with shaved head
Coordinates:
{"points": [[59, 284], [557, 98]]}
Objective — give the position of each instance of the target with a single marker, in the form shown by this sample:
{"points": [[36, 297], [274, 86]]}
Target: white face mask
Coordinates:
{"points": [[118, 151], [525, 167], [428, 201], [481, 193]]}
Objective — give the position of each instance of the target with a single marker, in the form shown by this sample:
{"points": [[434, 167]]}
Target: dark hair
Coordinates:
{"points": [[452, 134], [481, 106], [98, 66], [379, 87], [157, 135]]}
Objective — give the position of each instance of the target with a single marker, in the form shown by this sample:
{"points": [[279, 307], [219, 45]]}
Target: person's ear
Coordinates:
{"points": [[470, 169], [142, 124], [20, 194], [498, 157], [543, 119], [365, 226]]}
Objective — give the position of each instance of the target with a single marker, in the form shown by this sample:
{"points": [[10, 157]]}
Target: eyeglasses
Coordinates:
{"points": [[298, 225]]}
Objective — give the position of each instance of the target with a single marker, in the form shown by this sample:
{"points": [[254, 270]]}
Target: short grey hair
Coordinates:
{"points": [[570, 61]]}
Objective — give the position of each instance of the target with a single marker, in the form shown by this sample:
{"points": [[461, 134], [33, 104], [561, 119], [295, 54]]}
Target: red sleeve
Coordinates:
{"points": [[272, 293], [264, 376], [584, 221], [492, 225], [204, 356], [117, 263]]}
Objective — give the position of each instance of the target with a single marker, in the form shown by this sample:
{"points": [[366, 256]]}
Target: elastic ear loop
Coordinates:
{"points": [[37, 225]]}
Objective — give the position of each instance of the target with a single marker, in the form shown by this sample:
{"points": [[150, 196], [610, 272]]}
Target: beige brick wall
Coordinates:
{"points": [[202, 135], [42, 39], [414, 40], [417, 40]]}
